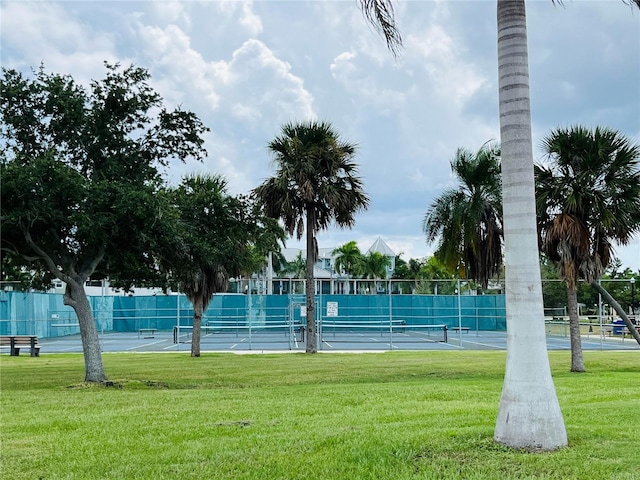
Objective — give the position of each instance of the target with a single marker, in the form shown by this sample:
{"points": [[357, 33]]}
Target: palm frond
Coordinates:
{"points": [[380, 15], [587, 196]]}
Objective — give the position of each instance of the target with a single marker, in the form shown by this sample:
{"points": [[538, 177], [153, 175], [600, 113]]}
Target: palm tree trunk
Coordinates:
{"points": [[618, 308], [76, 297], [529, 415], [577, 362], [197, 325], [312, 341]]}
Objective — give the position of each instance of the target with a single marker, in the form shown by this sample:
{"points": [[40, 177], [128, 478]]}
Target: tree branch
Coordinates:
{"points": [[88, 267], [616, 306], [42, 255]]}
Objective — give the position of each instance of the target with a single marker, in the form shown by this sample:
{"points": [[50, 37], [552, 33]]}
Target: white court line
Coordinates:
{"points": [[70, 349], [146, 345], [558, 346], [483, 344]]}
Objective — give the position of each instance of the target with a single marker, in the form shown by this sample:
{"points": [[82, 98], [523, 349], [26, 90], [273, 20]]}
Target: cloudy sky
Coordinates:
{"points": [[245, 68]]}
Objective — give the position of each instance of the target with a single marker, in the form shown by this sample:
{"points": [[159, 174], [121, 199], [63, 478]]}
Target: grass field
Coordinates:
{"points": [[422, 415]]}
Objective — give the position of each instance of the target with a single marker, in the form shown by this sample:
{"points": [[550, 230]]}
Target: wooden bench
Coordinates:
{"points": [[14, 342]]}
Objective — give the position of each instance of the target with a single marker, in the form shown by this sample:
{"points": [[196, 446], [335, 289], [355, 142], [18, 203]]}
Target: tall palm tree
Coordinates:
{"points": [[467, 220], [529, 415], [316, 181], [348, 260], [588, 197]]}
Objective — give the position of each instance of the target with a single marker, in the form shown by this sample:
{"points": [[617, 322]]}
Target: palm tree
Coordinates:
{"points": [[374, 266], [204, 207], [588, 197], [218, 236], [316, 181], [467, 220], [348, 260], [529, 415], [296, 268]]}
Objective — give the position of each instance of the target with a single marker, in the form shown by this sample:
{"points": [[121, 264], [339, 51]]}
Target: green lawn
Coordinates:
{"points": [[293, 416]]}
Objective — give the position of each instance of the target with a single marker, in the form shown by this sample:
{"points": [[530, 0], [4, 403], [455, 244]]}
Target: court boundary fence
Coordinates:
{"points": [[46, 316]]}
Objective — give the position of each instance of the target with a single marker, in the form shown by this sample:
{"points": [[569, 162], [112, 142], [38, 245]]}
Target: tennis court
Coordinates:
{"points": [[333, 338]]}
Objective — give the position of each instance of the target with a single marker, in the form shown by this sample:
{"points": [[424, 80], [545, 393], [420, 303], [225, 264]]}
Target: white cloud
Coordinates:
{"points": [[453, 77], [39, 32], [265, 86], [172, 12], [249, 20], [189, 74], [365, 86]]}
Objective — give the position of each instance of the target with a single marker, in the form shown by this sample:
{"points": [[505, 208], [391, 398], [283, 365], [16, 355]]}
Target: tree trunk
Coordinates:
{"points": [[312, 340], [577, 362], [197, 325], [76, 297], [618, 308], [529, 415]]}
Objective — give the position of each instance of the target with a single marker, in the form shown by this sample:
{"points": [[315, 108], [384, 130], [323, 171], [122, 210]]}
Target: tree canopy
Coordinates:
{"points": [[81, 171], [217, 236]]}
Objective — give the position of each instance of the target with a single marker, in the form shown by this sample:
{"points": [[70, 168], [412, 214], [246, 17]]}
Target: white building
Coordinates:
{"points": [[328, 280]]}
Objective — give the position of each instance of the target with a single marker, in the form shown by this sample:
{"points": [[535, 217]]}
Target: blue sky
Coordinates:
{"points": [[247, 67]]}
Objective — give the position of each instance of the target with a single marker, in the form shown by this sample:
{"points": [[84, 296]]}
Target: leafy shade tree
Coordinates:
{"points": [[219, 236], [467, 221], [437, 278], [349, 259], [316, 181], [588, 198], [408, 270], [430, 276], [554, 291], [80, 181]]}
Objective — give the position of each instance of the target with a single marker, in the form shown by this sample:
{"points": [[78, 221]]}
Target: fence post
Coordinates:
{"points": [[459, 315]]}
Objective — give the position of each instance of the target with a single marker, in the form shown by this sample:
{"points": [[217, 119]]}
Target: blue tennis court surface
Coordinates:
{"points": [[165, 341]]}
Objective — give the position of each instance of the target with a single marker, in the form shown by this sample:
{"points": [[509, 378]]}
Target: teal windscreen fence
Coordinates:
{"points": [[45, 315]]}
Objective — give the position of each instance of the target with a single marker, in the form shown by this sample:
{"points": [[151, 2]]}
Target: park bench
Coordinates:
{"points": [[14, 342], [147, 332], [460, 329]]}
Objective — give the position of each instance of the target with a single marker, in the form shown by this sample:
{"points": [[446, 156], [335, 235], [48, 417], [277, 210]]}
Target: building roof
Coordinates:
{"points": [[381, 247]]}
